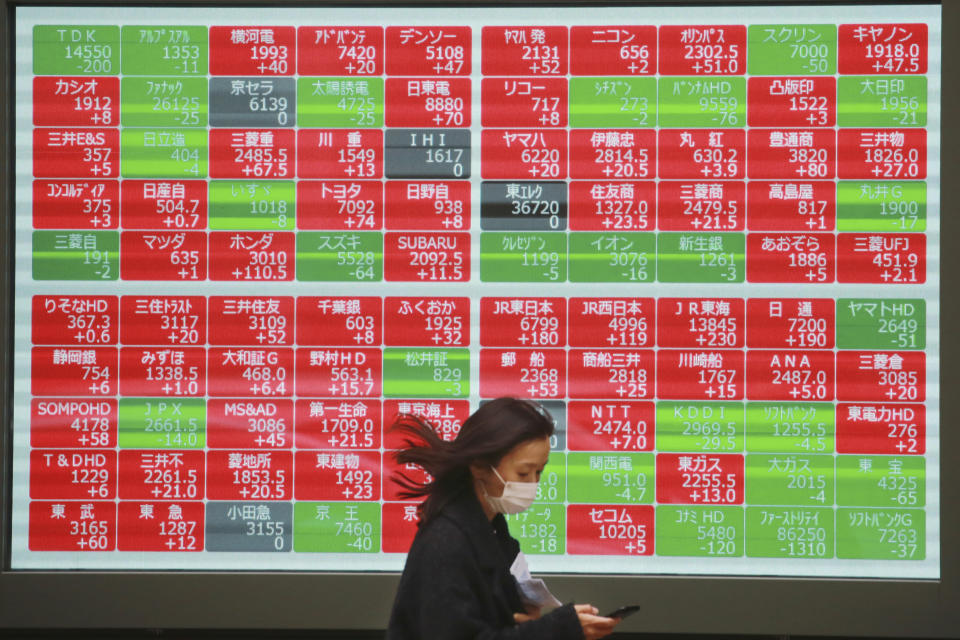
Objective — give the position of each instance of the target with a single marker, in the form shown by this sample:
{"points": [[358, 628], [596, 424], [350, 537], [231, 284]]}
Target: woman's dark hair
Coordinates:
{"points": [[485, 437]]}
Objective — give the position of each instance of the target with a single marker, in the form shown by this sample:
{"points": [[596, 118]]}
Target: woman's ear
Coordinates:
{"points": [[478, 471]]}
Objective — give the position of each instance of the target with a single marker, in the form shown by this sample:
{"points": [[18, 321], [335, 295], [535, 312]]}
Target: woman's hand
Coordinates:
{"points": [[533, 612], [594, 626]]}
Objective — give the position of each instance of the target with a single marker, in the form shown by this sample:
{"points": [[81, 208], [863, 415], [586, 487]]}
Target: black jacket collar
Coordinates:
{"points": [[496, 549]]}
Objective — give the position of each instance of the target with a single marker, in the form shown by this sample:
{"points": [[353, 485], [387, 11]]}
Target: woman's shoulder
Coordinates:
{"points": [[457, 527]]}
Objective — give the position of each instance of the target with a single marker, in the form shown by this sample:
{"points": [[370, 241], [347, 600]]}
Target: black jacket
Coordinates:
{"points": [[457, 584]]}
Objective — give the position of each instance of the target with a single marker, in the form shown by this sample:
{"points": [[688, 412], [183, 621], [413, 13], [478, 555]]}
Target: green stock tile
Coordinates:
{"points": [[523, 257], [701, 257], [700, 101], [882, 101], [881, 481], [613, 257], [789, 479], [76, 255], [410, 372], [881, 206], [881, 323], [790, 532], [782, 427], [336, 527], [700, 426], [340, 102], [607, 102], [162, 423], [687, 530], [610, 478], [163, 153], [541, 529], [163, 102], [246, 205], [791, 49], [76, 50], [881, 534], [164, 50], [329, 256]]}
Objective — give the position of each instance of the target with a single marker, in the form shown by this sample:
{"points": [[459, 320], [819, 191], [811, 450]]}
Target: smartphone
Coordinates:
{"points": [[623, 612]]}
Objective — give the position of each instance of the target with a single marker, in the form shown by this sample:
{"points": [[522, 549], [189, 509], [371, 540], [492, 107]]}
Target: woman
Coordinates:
{"points": [[457, 583]]}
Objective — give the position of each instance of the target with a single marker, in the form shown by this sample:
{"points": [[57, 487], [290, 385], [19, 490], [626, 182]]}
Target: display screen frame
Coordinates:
{"points": [[306, 600]]}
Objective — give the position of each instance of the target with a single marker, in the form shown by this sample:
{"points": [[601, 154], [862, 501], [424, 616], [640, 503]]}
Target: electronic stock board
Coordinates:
{"points": [[707, 241]]}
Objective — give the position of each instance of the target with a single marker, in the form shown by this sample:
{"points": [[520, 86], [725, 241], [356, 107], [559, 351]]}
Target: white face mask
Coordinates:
{"points": [[517, 496]]}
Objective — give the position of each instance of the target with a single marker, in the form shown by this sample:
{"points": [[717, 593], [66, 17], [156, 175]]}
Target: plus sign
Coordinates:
{"points": [[633, 67], [83, 439], [697, 66], [246, 170], [794, 392], [890, 393], [262, 67], [710, 391], [607, 170], [170, 543], [876, 170], [182, 273], [436, 338], [532, 390], [244, 492], [791, 340], [802, 170], [901, 446], [607, 222], [166, 387], [631, 547], [811, 276], [237, 273], [96, 170], [696, 222], [155, 491], [422, 274], [811, 223], [885, 276], [700, 339], [82, 543], [438, 118], [259, 440], [260, 337], [621, 391], [332, 389], [168, 221], [92, 491], [705, 171], [524, 338], [812, 118], [437, 68], [95, 221], [350, 68], [612, 339]]}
